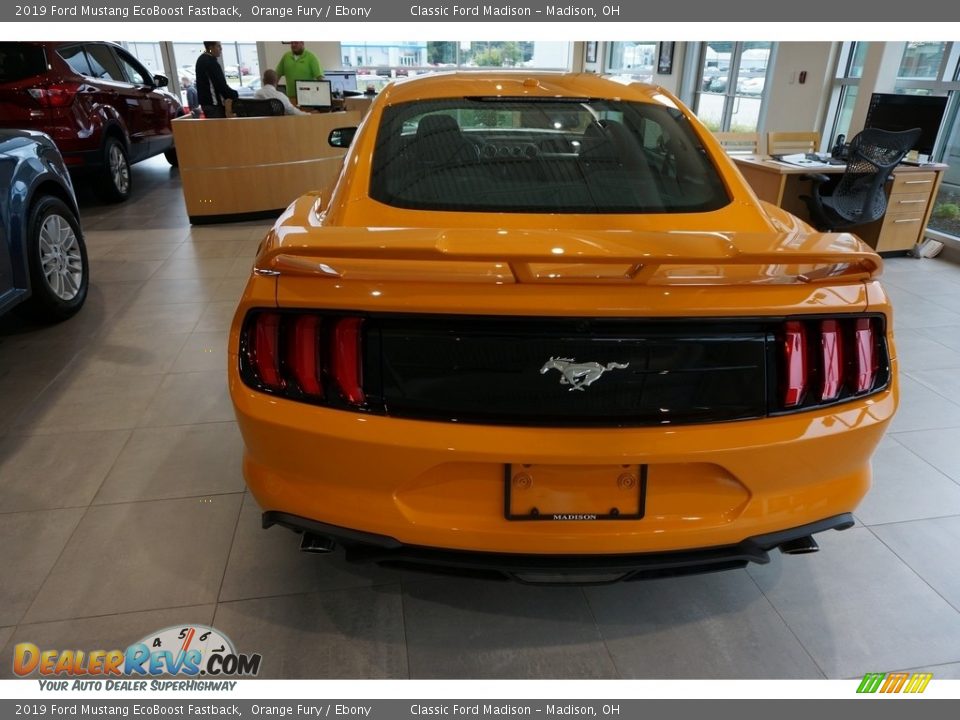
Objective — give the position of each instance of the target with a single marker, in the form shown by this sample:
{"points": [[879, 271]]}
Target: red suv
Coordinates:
{"points": [[102, 108]]}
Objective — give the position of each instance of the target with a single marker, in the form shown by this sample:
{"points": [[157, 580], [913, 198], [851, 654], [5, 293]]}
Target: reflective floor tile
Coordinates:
{"points": [[486, 629], [923, 409], [145, 317], [40, 472], [856, 607], [31, 542], [129, 352], [269, 562], [202, 351], [940, 448], [905, 487], [141, 556], [190, 398], [217, 317], [929, 547], [97, 402], [707, 626], [174, 462], [355, 633]]}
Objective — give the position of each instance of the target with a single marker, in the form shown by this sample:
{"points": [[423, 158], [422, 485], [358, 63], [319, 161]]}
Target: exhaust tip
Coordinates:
{"points": [[316, 544], [800, 546]]}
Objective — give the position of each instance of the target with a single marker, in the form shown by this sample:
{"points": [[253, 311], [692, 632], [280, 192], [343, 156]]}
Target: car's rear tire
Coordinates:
{"points": [[59, 272], [115, 181], [171, 156]]}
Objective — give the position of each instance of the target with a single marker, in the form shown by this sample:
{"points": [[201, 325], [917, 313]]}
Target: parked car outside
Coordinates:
{"points": [[43, 259], [102, 108], [250, 88], [542, 328]]}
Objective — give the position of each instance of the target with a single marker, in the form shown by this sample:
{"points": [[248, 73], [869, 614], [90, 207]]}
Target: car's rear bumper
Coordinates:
{"points": [[443, 485], [553, 569]]}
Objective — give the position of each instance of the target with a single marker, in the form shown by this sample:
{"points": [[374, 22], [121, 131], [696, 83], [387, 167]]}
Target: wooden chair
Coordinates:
{"points": [[789, 143], [739, 143]]}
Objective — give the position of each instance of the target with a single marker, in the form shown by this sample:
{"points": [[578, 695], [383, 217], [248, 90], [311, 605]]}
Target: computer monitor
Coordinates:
{"points": [[314, 94], [342, 82], [903, 112]]}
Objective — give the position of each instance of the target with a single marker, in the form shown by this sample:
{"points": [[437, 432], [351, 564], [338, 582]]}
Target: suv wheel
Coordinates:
{"points": [[59, 273], [115, 180]]}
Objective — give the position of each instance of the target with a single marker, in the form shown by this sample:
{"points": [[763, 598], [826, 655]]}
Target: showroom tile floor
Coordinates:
{"points": [[122, 509]]}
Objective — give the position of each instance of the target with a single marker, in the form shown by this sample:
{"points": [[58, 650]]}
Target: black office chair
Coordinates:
{"points": [[859, 197], [255, 107]]}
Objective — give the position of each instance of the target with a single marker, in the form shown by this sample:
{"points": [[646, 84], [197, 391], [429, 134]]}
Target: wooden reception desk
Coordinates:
{"points": [[234, 168]]}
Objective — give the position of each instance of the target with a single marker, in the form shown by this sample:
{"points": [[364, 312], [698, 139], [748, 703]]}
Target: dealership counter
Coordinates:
{"points": [[237, 168]]}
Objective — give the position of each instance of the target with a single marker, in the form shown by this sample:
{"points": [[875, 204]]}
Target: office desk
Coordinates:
{"points": [[911, 194], [236, 167]]}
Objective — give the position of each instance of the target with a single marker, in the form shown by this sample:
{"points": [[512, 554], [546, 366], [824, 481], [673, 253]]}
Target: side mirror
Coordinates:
{"points": [[341, 137], [160, 81]]}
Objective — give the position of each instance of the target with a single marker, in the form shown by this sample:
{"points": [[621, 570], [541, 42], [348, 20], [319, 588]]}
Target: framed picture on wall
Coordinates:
{"points": [[591, 52], [665, 61]]}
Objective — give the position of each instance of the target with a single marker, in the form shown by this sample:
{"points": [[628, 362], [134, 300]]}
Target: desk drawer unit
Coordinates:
{"points": [[907, 209]]}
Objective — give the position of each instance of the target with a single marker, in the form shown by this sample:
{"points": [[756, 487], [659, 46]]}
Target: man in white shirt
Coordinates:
{"points": [[269, 90]]}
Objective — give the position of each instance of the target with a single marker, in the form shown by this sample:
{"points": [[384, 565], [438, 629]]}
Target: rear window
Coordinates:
{"points": [[103, 64], [550, 156], [76, 59], [21, 60]]}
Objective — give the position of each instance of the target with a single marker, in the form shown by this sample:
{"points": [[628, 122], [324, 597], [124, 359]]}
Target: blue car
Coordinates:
{"points": [[43, 260]]}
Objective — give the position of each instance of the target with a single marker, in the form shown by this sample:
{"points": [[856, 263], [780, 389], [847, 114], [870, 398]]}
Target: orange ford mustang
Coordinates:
{"points": [[542, 329]]}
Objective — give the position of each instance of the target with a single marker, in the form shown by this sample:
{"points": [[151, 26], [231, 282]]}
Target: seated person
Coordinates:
{"points": [[269, 91]]}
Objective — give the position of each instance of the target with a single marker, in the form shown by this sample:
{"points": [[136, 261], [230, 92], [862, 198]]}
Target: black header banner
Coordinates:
{"points": [[485, 709], [392, 11]]}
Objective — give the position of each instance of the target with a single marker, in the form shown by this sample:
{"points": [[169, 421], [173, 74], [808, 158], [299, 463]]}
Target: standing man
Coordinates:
{"points": [[193, 102], [298, 64], [212, 88]]}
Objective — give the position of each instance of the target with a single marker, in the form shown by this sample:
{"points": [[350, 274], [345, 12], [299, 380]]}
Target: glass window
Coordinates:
{"points": [[922, 61], [635, 59], [19, 60], [846, 87], [147, 54], [241, 65], [730, 91], [136, 73], [103, 64], [76, 59], [379, 62], [945, 217], [857, 57], [543, 156]]}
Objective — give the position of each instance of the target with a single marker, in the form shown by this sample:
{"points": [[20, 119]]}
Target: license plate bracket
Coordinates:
{"points": [[566, 493]]}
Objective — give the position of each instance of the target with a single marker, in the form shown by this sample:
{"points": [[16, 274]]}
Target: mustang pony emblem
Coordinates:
{"points": [[579, 375]]}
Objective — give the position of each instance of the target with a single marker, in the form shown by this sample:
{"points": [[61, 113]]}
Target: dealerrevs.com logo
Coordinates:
{"points": [[180, 651]]}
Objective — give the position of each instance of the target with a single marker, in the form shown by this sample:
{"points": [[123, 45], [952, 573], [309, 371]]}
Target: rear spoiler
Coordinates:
{"points": [[573, 256]]}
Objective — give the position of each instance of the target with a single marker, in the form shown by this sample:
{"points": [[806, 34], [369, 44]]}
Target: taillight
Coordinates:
{"points": [[823, 361], [58, 95], [263, 350], [347, 369], [865, 348], [795, 362], [304, 356], [831, 349]]}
